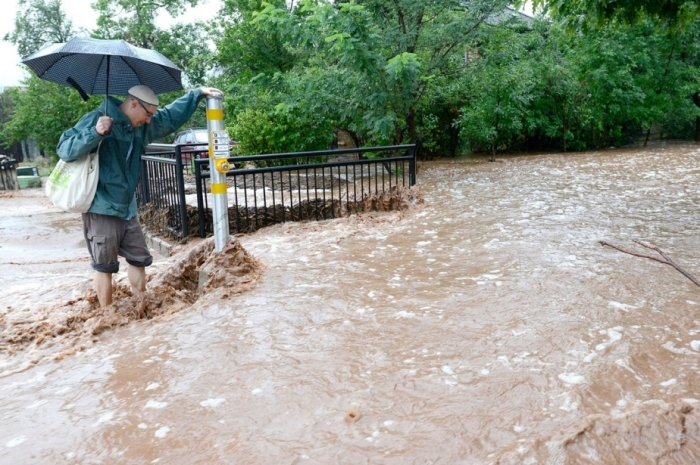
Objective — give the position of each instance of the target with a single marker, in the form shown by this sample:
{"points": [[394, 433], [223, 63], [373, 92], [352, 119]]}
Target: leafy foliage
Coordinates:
{"points": [[452, 76], [600, 12], [369, 67], [43, 110], [134, 21], [501, 81], [39, 22]]}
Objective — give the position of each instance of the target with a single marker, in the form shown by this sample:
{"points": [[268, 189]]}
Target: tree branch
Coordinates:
{"points": [[666, 259]]}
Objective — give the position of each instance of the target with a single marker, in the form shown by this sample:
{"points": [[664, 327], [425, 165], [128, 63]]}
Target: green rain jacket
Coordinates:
{"points": [[120, 152]]}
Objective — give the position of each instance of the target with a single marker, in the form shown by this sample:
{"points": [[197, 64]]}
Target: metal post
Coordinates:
{"points": [[412, 167], [179, 169], [219, 151]]}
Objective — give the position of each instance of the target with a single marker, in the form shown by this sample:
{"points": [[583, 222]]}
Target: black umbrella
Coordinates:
{"points": [[94, 66]]}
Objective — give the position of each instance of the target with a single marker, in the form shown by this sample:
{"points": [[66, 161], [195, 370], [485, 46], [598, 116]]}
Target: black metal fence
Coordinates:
{"points": [[161, 192], [270, 189]]}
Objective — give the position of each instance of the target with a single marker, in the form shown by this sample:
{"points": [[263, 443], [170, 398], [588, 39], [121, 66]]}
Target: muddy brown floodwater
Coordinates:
{"points": [[485, 326]]}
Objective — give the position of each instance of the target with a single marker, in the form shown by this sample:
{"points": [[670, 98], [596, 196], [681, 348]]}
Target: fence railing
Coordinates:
{"points": [[269, 189]]}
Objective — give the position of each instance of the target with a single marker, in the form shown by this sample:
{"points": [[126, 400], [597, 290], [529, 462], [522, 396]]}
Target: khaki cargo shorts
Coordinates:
{"points": [[109, 237]]}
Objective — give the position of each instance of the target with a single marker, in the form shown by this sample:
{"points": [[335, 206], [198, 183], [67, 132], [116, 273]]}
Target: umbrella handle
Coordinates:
{"points": [[107, 89]]}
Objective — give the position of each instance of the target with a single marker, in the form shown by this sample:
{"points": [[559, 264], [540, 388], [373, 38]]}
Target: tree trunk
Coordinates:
{"points": [[411, 123], [696, 101]]}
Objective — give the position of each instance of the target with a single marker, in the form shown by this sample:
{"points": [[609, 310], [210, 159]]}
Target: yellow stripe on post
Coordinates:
{"points": [[215, 114], [218, 188]]}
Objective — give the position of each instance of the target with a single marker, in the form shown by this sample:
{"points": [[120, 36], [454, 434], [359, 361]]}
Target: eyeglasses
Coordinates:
{"points": [[148, 113]]}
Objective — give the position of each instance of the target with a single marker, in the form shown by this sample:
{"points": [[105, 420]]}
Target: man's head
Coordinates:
{"points": [[140, 105]]}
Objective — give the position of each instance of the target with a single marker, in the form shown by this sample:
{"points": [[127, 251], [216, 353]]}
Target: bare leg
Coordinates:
{"points": [[137, 279], [103, 287]]}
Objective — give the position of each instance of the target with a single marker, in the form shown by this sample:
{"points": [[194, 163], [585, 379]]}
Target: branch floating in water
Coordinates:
{"points": [[666, 260]]}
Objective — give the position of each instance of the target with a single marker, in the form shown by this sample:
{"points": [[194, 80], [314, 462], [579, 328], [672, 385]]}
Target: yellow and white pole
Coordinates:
{"points": [[219, 152]]}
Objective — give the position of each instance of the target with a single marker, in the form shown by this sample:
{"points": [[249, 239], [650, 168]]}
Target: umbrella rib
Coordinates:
{"points": [[126, 62], [102, 60], [52, 65]]}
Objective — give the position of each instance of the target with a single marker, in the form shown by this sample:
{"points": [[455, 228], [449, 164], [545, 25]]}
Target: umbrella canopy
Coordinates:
{"points": [[94, 66]]}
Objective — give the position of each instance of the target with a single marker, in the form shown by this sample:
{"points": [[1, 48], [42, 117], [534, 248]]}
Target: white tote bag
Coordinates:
{"points": [[71, 186]]}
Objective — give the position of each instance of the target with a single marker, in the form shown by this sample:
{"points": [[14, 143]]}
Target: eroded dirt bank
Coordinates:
{"points": [[54, 330]]}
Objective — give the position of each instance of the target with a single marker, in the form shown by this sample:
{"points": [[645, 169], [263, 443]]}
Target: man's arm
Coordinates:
{"points": [[78, 141], [168, 119]]}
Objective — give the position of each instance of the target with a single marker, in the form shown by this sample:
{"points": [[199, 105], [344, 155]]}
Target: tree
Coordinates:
{"points": [[370, 67], [501, 82], [43, 110], [561, 104], [134, 22], [599, 12], [37, 23], [676, 19]]}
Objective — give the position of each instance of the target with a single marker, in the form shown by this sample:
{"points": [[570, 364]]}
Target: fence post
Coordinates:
{"points": [[200, 198], [145, 193], [179, 170], [412, 167]]}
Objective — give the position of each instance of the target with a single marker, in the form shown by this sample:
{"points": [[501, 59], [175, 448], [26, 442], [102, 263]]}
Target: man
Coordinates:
{"points": [[122, 130]]}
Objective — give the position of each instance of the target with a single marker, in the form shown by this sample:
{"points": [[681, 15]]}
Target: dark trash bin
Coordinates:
{"points": [[8, 174]]}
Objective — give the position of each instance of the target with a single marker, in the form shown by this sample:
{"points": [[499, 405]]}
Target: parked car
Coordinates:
{"points": [[28, 176], [194, 143]]}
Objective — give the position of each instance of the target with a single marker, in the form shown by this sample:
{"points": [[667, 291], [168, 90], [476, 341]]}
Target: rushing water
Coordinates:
{"points": [[486, 326]]}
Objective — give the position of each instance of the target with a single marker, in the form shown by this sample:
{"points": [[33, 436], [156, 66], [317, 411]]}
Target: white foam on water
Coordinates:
{"points": [[695, 345], [104, 418], [448, 370], [152, 386], [36, 404], [256, 391], [16, 441], [212, 402], [614, 334], [621, 306], [405, 314], [569, 405], [572, 378], [142, 426], [162, 432], [668, 383], [670, 346], [156, 404], [484, 372]]}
